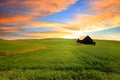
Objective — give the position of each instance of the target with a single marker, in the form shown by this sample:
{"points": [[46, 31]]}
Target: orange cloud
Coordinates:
{"points": [[85, 22], [53, 34], [27, 10], [90, 22], [46, 24], [16, 19], [102, 6], [107, 9], [9, 29], [106, 14]]}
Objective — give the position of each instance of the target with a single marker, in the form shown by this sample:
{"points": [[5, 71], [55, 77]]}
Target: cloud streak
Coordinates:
{"points": [[46, 24], [51, 34], [16, 11], [103, 14]]}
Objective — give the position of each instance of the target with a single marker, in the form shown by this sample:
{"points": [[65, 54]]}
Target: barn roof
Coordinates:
{"points": [[87, 39]]}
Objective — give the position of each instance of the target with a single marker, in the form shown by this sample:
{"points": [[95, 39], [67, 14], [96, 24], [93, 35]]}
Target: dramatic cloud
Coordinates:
{"points": [[17, 15], [104, 14], [15, 11], [92, 22]]}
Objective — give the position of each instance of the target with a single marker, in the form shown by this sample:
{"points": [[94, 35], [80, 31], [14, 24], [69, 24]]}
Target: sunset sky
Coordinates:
{"points": [[38, 19]]}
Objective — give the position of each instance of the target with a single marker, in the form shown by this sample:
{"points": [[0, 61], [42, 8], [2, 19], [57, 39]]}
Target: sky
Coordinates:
{"points": [[38, 19]]}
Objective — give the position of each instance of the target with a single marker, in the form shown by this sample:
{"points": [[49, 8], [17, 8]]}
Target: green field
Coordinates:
{"points": [[59, 59]]}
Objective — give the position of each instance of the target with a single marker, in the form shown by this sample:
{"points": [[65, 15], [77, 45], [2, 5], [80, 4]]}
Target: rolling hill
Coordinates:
{"points": [[59, 59]]}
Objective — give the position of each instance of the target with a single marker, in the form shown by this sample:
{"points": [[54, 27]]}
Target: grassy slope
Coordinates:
{"points": [[61, 59]]}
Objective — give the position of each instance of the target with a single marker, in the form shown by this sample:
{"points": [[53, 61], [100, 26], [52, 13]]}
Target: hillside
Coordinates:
{"points": [[59, 59]]}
